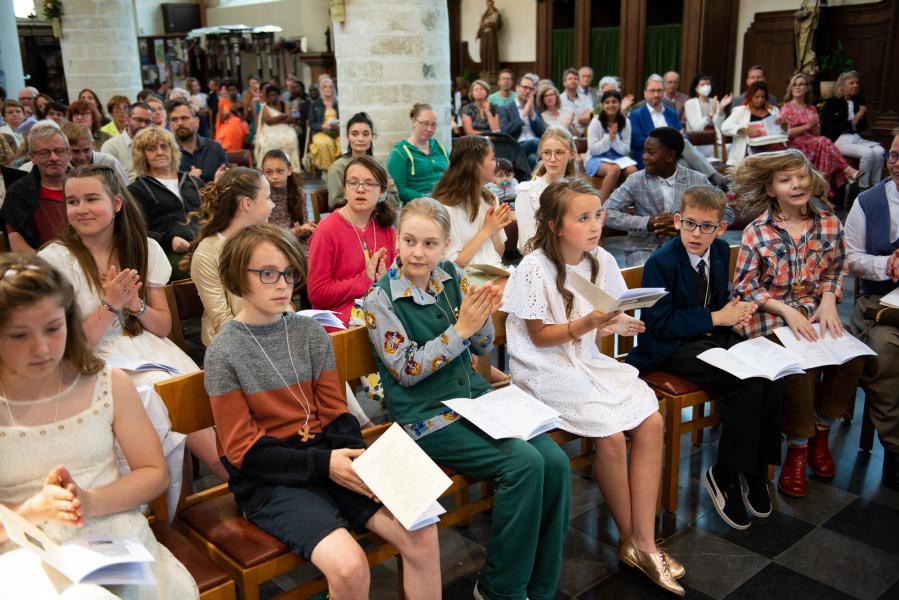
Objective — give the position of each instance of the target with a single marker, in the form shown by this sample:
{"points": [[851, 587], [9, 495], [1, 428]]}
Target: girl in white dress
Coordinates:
{"points": [[118, 284], [61, 412], [553, 338]]}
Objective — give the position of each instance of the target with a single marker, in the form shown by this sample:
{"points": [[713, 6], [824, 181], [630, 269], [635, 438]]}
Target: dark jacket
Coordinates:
{"points": [[835, 117], [165, 213], [317, 113], [678, 317], [642, 124], [209, 156], [21, 200], [510, 121]]}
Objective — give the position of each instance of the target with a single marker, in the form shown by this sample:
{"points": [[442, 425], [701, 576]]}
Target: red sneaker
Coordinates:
{"points": [[819, 458], [792, 474]]}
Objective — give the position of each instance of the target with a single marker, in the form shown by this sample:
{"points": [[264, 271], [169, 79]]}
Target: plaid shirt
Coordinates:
{"points": [[770, 265]]}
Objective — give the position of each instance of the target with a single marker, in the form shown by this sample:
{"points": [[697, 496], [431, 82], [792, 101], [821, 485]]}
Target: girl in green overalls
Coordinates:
{"points": [[423, 322]]}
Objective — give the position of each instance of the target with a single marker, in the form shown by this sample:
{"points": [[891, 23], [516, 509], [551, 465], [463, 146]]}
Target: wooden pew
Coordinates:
{"points": [[319, 204]]}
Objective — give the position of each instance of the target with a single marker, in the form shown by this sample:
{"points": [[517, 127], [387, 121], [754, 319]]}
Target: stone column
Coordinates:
{"points": [[11, 76], [99, 48], [390, 56]]}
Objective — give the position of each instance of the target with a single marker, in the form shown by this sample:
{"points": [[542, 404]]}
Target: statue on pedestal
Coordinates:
{"points": [[488, 33]]}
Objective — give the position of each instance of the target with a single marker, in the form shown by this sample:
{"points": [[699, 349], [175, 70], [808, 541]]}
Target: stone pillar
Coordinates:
{"points": [[390, 56], [11, 76], [99, 48]]}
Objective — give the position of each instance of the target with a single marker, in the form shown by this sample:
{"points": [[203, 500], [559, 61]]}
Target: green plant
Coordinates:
{"points": [[835, 62], [52, 9]]}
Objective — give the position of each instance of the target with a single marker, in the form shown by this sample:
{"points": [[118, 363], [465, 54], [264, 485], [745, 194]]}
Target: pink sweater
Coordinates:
{"points": [[336, 263]]}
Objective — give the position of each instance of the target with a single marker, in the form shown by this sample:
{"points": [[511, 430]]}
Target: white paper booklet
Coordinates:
{"points": [[491, 270], [404, 478], [758, 357], [85, 559], [606, 303], [891, 299], [508, 412], [325, 318], [138, 364], [828, 350], [773, 133]]}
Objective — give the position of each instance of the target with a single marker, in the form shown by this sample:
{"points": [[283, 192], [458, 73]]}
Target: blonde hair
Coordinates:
{"points": [[153, 136], [481, 83], [755, 173], [704, 197], [238, 250], [26, 279], [807, 98], [426, 208], [841, 81], [564, 136]]}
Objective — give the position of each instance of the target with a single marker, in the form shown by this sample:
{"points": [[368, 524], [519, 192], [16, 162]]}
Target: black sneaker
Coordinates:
{"points": [[756, 495], [728, 500]]}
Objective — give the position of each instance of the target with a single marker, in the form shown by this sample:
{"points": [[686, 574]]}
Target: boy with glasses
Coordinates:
{"points": [[697, 315]]}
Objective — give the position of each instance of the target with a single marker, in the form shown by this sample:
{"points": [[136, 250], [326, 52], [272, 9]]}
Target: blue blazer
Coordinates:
{"points": [[677, 318], [510, 121], [641, 125]]}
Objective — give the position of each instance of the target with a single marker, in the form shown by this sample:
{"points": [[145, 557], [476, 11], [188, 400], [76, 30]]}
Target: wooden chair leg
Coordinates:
{"points": [[698, 434], [400, 592], [670, 471], [866, 439]]}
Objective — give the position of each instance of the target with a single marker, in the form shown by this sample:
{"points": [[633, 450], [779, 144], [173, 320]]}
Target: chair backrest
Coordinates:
{"points": [[184, 303], [320, 204], [241, 158], [186, 399], [732, 266], [352, 354]]}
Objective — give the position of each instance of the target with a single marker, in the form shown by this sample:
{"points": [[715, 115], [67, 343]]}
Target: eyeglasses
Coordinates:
{"points": [[369, 186], [527, 87], [706, 228], [555, 153], [427, 124], [272, 276], [49, 152], [892, 157]]}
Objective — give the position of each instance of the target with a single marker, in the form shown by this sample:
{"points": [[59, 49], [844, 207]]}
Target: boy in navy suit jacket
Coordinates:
{"points": [[697, 315]]}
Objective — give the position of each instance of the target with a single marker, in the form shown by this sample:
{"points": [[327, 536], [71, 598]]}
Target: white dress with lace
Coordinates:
{"points": [[73, 429], [596, 395]]}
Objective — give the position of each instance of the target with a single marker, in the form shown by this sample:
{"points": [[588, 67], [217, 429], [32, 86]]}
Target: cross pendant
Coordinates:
{"points": [[304, 434]]}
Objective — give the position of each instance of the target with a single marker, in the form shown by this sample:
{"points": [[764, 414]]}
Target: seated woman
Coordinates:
{"points": [[553, 113], [755, 108], [360, 133], [118, 275], [557, 152], [62, 417], [288, 196], [425, 323], [702, 112], [805, 134], [238, 199], [119, 108], [843, 121], [609, 145], [480, 116], [324, 126], [354, 244], [164, 195], [286, 434], [274, 130], [84, 112], [418, 162], [90, 96]]}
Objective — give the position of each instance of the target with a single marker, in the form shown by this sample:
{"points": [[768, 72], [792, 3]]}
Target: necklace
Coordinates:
{"points": [[361, 239], [6, 399], [304, 430]]}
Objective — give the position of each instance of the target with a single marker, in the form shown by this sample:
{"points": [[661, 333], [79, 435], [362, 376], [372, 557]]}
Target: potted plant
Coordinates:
{"points": [[52, 10], [830, 65]]}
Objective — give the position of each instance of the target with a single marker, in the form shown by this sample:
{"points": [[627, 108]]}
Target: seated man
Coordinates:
{"points": [[654, 193], [158, 114], [200, 156], [522, 121], [81, 151], [581, 105], [34, 209], [120, 145], [504, 95], [672, 97], [584, 79], [697, 315], [872, 250], [654, 112], [755, 73]]}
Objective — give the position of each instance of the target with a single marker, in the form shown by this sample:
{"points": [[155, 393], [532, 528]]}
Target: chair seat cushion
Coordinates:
{"points": [[205, 572], [219, 521], [670, 383]]}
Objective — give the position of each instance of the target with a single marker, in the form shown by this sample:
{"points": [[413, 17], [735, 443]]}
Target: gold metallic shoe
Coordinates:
{"points": [[675, 566], [654, 565]]}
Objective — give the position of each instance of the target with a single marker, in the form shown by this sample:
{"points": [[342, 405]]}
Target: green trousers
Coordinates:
{"points": [[532, 484]]}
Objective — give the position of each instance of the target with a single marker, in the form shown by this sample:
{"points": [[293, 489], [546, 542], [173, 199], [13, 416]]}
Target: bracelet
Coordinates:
{"points": [[108, 307], [143, 308], [571, 335]]}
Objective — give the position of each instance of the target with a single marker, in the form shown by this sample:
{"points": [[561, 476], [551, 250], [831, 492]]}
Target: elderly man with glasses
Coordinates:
{"points": [[120, 145], [522, 121]]}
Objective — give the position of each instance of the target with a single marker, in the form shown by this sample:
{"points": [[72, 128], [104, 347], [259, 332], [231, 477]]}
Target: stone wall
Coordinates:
{"points": [[390, 56], [99, 48]]}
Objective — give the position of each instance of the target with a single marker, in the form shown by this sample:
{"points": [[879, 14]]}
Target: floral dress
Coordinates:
{"points": [[820, 150]]}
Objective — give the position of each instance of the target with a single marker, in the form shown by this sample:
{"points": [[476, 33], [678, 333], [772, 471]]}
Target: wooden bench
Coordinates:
{"points": [[184, 303], [320, 204]]}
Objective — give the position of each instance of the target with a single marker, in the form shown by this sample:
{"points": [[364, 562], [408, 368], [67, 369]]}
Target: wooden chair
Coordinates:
{"points": [[320, 204], [184, 303], [241, 158]]}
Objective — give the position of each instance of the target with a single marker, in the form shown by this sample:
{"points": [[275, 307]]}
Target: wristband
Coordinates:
{"points": [[108, 307]]}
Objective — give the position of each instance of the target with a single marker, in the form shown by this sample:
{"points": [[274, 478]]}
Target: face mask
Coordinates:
{"points": [[704, 90]]}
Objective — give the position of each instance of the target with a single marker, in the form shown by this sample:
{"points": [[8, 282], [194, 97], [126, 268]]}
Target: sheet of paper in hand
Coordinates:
{"points": [[606, 303], [508, 412]]}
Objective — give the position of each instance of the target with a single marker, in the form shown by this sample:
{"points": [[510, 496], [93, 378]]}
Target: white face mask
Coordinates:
{"points": [[704, 90]]}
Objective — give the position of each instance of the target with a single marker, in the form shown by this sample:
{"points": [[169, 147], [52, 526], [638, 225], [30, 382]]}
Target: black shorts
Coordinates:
{"points": [[301, 517]]}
